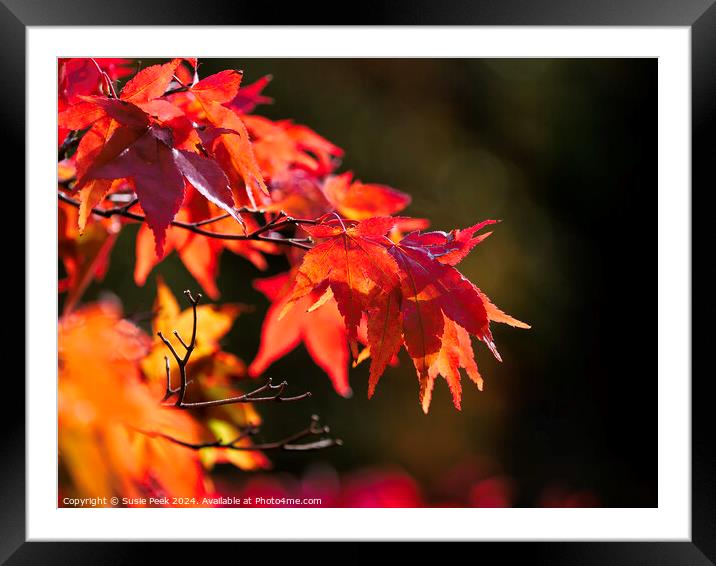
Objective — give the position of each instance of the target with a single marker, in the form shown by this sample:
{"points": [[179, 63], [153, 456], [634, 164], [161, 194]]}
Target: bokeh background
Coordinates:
{"points": [[564, 152]]}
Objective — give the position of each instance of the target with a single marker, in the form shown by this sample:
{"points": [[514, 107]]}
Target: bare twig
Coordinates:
{"points": [[212, 220], [265, 393], [182, 88], [290, 443], [169, 391], [181, 361], [258, 234]]}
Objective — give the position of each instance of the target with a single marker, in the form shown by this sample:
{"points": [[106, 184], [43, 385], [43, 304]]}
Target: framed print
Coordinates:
{"points": [[423, 276]]}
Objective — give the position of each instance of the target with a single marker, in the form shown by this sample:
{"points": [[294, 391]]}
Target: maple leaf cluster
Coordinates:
{"points": [[108, 408], [405, 293], [190, 159]]}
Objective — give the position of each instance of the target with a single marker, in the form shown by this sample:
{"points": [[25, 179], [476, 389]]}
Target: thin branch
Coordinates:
{"points": [[131, 204], [195, 227], [212, 220], [265, 393], [268, 392], [290, 443], [181, 361], [182, 88], [169, 391], [255, 396], [176, 333]]}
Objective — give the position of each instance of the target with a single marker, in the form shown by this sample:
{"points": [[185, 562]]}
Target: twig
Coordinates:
{"points": [[169, 391], [266, 393], [182, 361], [212, 220], [289, 443], [182, 88], [251, 397], [195, 227]]}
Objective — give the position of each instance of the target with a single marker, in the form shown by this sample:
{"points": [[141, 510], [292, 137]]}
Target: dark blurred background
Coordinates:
{"points": [[564, 152]]}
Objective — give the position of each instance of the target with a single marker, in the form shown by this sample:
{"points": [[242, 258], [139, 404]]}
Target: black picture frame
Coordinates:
{"points": [[699, 15]]}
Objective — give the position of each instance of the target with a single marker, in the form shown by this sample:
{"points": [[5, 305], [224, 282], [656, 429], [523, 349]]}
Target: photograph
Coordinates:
{"points": [[357, 282]]}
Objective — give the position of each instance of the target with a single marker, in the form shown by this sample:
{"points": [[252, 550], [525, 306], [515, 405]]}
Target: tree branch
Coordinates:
{"points": [[290, 443], [195, 227], [265, 393]]}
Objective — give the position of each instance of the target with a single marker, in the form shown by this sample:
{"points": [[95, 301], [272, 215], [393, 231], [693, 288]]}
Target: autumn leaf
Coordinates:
{"points": [[221, 87], [228, 140], [439, 305], [352, 263], [283, 146], [91, 144], [76, 77], [85, 258], [250, 96], [82, 76], [149, 83], [322, 331], [158, 171], [358, 201]]}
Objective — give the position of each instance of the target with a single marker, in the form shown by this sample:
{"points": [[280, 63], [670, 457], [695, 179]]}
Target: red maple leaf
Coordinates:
{"points": [[352, 265], [158, 171], [321, 330], [251, 96], [410, 293], [284, 146], [358, 201]]}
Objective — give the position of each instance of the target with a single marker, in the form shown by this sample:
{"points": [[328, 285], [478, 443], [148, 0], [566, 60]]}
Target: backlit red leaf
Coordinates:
{"points": [[357, 201], [354, 263], [149, 83], [416, 298], [221, 87], [250, 96], [284, 146], [233, 149], [322, 331]]}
